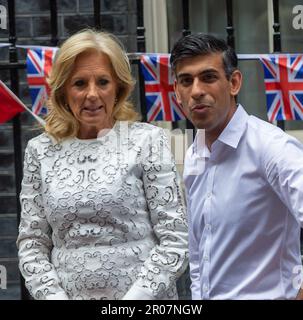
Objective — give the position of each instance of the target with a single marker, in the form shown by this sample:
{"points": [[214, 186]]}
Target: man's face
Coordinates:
{"points": [[205, 93]]}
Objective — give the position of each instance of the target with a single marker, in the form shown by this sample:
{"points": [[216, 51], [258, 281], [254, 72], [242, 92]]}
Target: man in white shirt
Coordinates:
{"points": [[244, 183]]}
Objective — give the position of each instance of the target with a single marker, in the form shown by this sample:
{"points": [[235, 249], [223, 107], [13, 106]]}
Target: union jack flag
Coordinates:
{"points": [[283, 77], [159, 91], [39, 63]]}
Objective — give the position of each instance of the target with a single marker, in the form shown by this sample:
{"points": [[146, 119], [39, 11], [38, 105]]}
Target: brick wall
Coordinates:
{"points": [[33, 19]]}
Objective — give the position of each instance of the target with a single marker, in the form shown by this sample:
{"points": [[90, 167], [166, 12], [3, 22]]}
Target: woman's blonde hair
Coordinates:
{"points": [[60, 122]]}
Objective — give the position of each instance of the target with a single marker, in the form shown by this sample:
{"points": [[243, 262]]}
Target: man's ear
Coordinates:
{"points": [[235, 82], [177, 92]]}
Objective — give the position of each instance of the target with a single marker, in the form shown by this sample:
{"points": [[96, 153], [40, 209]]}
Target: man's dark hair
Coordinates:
{"points": [[203, 44]]}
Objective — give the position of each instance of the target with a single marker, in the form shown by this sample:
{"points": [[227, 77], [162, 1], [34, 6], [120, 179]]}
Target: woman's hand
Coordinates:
{"points": [[300, 295]]}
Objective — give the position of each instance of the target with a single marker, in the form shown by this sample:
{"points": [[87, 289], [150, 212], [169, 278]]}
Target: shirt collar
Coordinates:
{"points": [[199, 146], [231, 134], [234, 130]]}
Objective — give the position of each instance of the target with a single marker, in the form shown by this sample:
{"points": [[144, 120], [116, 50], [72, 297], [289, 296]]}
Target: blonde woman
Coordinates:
{"points": [[102, 210]]}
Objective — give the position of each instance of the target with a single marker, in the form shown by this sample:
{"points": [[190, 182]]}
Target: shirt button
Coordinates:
{"points": [[205, 288], [205, 258], [208, 227], [209, 195]]}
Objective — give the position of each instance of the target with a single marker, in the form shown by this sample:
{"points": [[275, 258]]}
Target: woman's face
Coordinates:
{"points": [[91, 93]]}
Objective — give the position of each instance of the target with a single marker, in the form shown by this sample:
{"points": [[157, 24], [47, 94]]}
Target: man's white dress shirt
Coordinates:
{"points": [[245, 205]]}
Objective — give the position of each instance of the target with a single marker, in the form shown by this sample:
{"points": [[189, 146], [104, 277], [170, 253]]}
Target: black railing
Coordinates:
{"points": [[277, 42], [185, 10], [14, 77], [230, 27], [141, 47], [97, 15], [54, 22], [186, 31]]}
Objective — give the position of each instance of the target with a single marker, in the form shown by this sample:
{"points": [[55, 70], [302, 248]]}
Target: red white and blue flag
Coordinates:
{"points": [[10, 105], [39, 63], [283, 77], [159, 91]]}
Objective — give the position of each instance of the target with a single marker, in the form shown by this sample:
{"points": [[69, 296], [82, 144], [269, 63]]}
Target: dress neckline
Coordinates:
{"points": [[101, 135]]}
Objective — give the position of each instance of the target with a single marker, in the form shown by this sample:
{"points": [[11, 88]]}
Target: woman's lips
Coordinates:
{"points": [[92, 110]]}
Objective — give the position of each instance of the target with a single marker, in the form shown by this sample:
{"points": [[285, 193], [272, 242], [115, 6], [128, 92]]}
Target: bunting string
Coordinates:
{"points": [[283, 82]]}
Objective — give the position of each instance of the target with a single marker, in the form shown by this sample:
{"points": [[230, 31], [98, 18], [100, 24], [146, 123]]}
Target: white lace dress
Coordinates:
{"points": [[102, 218]]}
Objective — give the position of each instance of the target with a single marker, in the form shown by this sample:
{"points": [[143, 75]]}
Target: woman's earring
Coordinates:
{"points": [[116, 101]]}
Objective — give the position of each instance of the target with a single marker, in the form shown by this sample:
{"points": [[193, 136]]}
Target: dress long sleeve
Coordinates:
{"points": [[34, 240], [168, 258]]}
